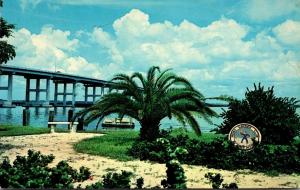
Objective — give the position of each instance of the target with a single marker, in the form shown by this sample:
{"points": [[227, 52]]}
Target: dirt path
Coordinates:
{"points": [[61, 145]]}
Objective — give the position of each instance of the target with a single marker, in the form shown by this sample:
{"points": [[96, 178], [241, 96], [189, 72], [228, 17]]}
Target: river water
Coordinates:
{"points": [[39, 118]]}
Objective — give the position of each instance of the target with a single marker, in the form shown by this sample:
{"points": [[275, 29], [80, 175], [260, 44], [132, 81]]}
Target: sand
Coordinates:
{"points": [[61, 145]]}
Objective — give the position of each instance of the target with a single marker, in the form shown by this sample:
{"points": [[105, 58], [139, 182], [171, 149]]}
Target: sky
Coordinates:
{"points": [[221, 46]]}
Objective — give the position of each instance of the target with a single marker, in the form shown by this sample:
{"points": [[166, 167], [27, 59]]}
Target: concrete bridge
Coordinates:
{"points": [[57, 78]]}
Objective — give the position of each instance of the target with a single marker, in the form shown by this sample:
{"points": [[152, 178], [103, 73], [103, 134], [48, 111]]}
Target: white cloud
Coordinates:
{"points": [[103, 39], [197, 74], [51, 38], [81, 66], [264, 10], [139, 42], [207, 55], [50, 49], [29, 3], [288, 32], [217, 52]]}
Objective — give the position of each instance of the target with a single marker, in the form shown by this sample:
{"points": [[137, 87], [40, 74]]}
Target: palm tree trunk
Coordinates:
{"points": [[149, 130]]}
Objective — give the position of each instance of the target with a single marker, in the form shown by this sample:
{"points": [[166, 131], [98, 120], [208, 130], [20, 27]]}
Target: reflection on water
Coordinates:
{"points": [[9, 114], [39, 118]]}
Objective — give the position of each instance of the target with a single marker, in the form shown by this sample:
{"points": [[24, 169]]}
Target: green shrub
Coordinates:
{"points": [[116, 180], [216, 180], [275, 117], [145, 150], [175, 173], [139, 183], [97, 185], [33, 172], [152, 150], [222, 154]]}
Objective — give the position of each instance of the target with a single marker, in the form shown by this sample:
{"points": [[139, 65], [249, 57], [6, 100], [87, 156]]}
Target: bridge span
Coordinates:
{"points": [[57, 78]]}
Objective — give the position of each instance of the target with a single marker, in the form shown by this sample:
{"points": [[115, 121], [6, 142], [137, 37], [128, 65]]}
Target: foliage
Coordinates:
{"points": [[275, 117], [7, 51], [222, 154], [150, 99], [97, 185], [116, 180], [216, 180], [230, 186], [117, 144], [113, 180], [175, 173], [33, 172], [139, 183]]}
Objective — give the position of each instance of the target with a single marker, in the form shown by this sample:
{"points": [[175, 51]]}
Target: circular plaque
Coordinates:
{"points": [[243, 135]]}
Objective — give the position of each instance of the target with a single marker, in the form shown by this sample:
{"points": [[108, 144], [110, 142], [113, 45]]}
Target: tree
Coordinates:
{"points": [[275, 117], [7, 51], [150, 99]]}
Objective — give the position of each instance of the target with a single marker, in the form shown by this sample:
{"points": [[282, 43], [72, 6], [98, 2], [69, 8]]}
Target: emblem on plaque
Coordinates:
{"points": [[243, 135]]}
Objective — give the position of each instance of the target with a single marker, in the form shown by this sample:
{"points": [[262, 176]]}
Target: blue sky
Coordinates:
{"points": [[221, 46]]}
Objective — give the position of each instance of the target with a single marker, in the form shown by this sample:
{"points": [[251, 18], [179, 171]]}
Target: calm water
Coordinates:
{"points": [[39, 118]]}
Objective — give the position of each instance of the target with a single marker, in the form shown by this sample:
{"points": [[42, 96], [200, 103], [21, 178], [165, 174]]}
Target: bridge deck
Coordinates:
{"points": [[79, 104], [58, 76]]}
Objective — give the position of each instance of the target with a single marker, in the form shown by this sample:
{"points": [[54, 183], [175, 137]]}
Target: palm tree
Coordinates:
{"points": [[7, 51], [150, 99]]}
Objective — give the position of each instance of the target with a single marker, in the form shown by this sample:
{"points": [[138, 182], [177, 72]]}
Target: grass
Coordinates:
{"points": [[205, 137], [115, 144], [17, 130], [13, 130]]}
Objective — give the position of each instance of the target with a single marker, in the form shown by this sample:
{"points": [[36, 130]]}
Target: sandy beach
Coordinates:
{"points": [[61, 145]]}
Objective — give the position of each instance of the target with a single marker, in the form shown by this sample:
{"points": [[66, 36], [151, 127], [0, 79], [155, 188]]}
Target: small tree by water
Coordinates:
{"points": [[275, 117], [7, 51]]}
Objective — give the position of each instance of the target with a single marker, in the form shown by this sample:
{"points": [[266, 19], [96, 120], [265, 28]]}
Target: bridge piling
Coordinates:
{"points": [[37, 90], [27, 92], [94, 93], [26, 116], [48, 91], [70, 116], [74, 94], [102, 91], [86, 93], [65, 94], [9, 89], [55, 93]]}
